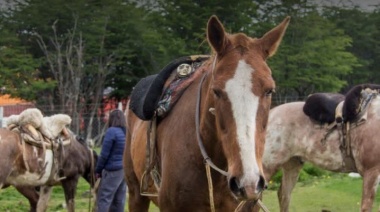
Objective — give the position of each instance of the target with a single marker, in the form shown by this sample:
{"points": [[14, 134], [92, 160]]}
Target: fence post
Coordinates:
{"points": [[1, 116]]}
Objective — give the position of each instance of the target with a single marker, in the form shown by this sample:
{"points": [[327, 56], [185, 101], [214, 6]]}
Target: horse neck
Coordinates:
{"points": [[89, 162], [89, 173]]}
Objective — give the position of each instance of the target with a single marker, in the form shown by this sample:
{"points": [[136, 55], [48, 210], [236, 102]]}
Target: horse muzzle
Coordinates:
{"points": [[246, 192]]}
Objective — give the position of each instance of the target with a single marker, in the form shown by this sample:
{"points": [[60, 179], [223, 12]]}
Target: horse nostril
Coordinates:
{"points": [[261, 184], [234, 185], [249, 191]]}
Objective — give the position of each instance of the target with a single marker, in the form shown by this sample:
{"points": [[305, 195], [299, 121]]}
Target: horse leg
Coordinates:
{"points": [[31, 194], [136, 202], [290, 173], [69, 187], [370, 183], [45, 192], [270, 170]]}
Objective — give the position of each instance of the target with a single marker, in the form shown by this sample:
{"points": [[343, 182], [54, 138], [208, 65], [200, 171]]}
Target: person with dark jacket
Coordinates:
{"points": [[112, 189]]}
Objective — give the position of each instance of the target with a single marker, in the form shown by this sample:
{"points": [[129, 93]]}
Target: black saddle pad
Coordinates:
{"points": [[321, 106], [147, 92], [140, 104]]}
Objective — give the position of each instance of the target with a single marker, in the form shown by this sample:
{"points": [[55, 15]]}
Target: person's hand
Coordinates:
{"points": [[98, 176]]}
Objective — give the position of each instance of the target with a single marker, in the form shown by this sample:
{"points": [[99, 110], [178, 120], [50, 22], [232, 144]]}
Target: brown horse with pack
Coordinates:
{"points": [[39, 152]]}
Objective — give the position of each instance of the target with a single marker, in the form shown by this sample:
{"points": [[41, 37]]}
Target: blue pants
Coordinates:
{"points": [[112, 191]]}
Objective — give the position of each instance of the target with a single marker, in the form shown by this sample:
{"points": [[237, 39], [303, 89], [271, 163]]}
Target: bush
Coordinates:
{"points": [[314, 171], [308, 173]]}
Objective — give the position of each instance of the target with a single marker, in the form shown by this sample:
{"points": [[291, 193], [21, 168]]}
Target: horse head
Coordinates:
{"points": [[238, 94]]}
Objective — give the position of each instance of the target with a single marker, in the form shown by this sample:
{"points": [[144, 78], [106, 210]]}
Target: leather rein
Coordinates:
{"points": [[206, 158]]}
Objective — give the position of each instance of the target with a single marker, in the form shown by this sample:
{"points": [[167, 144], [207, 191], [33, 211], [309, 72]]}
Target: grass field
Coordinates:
{"points": [[331, 193], [335, 193]]}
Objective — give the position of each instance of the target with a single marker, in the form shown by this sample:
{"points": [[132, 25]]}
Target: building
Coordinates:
{"points": [[11, 106]]}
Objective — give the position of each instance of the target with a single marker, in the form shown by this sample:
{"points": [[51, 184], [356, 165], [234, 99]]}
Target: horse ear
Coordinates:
{"points": [[272, 39], [216, 34]]}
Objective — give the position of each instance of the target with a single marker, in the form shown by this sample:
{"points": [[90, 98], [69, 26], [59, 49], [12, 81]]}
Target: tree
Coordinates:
{"points": [[84, 46], [182, 23], [18, 69], [363, 27], [313, 56]]}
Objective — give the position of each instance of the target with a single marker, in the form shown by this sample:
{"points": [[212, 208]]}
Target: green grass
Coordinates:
{"points": [[337, 192], [316, 190], [12, 201]]}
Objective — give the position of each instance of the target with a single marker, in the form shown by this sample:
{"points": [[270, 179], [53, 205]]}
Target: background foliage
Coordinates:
{"points": [[64, 53]]}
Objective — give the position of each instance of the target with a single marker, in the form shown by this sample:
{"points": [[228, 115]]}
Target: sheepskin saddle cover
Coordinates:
{"points": [[37, 128]]}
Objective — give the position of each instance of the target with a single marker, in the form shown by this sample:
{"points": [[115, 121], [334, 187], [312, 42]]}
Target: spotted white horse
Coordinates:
{"points": [[293, 138]]}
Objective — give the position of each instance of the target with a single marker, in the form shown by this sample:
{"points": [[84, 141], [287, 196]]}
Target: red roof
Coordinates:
{"points": [[6, 99], [13, 106]]}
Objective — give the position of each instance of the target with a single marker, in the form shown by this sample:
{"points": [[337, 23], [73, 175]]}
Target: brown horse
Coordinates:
{"points": [[222, 113], [78, 160], [293, 138]]}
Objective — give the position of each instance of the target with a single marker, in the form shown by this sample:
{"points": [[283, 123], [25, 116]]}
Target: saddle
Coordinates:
{"points": [[342, 113], [152, 98], [46, 133], [56, 145], [146, 94], [357, 100], [323, 107]]}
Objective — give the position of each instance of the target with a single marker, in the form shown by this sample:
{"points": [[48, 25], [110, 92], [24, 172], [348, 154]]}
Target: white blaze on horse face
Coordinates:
{"points": [[244, 107]]}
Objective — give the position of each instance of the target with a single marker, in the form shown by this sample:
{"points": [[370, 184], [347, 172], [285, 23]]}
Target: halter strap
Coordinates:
{"points": [[206, 158]]}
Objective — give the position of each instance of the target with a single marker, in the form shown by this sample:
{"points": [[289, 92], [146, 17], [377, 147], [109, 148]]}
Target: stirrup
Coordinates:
{"points": [[156, 178], [144, 187]]}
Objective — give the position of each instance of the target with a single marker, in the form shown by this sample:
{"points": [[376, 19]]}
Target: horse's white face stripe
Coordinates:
{"points": [[244, 108]]}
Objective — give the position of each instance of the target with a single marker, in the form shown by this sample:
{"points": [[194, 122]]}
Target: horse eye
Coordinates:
{"points": [[217, 93], [270, 92]]}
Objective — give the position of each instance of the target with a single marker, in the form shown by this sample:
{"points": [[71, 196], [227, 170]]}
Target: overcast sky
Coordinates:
{"points": [[365, 4]]}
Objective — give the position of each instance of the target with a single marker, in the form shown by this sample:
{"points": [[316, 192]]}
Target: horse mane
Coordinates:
{"points": [[79, 138]]}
